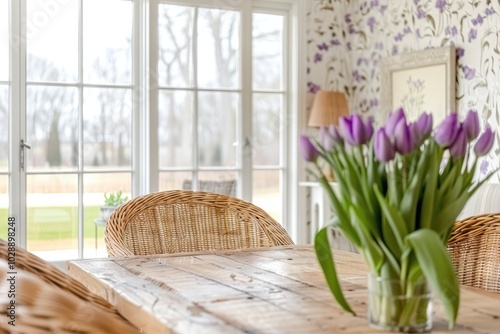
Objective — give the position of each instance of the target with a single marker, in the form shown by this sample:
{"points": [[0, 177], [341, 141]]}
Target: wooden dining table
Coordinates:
{"points": [[265, 290]]}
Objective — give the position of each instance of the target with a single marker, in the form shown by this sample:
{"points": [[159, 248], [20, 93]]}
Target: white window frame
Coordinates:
{"points": [[145, 105], [294, 96]]}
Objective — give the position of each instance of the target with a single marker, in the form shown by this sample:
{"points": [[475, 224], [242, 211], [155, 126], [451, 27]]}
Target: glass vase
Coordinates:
{"points": [[398, 306]]}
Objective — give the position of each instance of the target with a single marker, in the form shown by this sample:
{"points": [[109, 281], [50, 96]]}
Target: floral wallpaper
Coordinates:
{"points": [[347, 38]]}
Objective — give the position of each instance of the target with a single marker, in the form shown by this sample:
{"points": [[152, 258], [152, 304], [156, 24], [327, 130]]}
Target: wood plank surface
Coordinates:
{"points": [[269, 290]]}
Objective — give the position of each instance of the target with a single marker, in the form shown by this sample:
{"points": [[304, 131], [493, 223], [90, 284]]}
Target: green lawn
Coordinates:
{"points": [[56, 223]]}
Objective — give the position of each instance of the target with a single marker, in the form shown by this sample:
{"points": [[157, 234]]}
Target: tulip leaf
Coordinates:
{"points": [[437, 267], [410, 199], [389, 255], [454, 191], [389, 238], [355, 182], [373, 254], [340, 210], [394, 218], [325, 258], [429, 197], [447, 215]]}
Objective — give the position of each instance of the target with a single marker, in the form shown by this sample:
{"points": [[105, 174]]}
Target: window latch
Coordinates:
{"points": [[21, 155]]}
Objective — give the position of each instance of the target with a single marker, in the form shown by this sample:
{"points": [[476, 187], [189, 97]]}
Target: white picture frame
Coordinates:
{"points": [[420, 81]]}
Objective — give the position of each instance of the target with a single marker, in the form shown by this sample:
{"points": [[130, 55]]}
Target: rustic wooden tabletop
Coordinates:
{"points": [[268, 290]]}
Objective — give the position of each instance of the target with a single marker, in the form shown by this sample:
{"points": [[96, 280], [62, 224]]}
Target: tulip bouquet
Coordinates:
{"points": [[399, 191]]}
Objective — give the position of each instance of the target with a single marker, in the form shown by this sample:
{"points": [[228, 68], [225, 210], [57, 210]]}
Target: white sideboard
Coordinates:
{"points": [[320, 215]]}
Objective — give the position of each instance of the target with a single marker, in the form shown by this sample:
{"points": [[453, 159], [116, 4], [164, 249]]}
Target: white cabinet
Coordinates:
{"points": [[321, 214], [319, 208]]}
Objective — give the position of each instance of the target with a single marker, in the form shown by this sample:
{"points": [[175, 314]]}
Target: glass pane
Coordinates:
{"points": [[4, 127], [175, 33], [218, 48], [52, 40], [224, 182], [266, 192], [173, 180], [94, 186], [107, 128], [4, 205], [107, 41], [52, 128], [4, 40], [268, 127], [175, 128], [52, 216], [267, 49], [217, 128]]}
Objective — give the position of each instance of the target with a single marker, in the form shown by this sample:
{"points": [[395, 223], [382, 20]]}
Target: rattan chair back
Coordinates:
{"points": [[186, 221], [40, 307], [224, 187], [474, 247], [29, 262]]}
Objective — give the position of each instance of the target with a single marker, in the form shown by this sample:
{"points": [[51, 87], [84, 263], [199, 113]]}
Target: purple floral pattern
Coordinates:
{"points": [[347, 39]]}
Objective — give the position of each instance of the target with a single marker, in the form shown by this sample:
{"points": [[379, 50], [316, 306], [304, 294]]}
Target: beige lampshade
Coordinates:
{"points": [[327, 108]]}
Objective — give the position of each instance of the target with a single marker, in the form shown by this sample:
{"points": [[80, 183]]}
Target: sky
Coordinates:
{"points": [[52, 29]]}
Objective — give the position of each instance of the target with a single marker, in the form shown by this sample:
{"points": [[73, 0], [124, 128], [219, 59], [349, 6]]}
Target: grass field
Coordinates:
{"points": [[56, 227], [52, 222]]}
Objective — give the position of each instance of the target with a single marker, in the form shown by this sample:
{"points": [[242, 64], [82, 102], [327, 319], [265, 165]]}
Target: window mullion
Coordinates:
{"points": [[17, 184], [80, 133], [149, 126], [195, 155], [246, 111]]}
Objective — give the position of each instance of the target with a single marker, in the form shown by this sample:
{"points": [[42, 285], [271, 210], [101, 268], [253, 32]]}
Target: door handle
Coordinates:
{"points": [[23, 144], [21, 153]]}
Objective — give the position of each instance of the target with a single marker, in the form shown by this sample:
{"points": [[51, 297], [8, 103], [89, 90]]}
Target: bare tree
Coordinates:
{"points": [[45, 111], [217, 127], [4, 123], [109, 128], [174, 60]]}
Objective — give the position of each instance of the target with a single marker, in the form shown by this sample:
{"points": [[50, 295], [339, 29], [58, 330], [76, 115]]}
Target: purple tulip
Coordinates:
{"points": [[459, 146], [307, 149], [393, 119], [369, 128], [471, 124], [326, 139], [403, 140], [334, 132], [355, 130], [484, 143], [421, 129], [424, 124], [384, 150], [415, 134], [447, 131]]}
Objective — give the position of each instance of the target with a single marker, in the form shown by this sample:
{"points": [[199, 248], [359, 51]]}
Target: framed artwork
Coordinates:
{"points": [[421, 81]]}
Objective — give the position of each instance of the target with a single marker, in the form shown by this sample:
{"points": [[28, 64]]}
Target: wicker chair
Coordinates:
{"points": [[52, 276], [186, 221], [224, 187], [41, 307], [474, 247]]}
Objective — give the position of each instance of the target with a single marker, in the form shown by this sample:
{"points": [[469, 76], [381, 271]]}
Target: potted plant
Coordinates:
{"points": [[111, 201], [401, 189]]}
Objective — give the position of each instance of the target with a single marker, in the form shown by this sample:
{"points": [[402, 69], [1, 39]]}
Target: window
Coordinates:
{"points": [[206, 130], [5, 113], [215, 108]]}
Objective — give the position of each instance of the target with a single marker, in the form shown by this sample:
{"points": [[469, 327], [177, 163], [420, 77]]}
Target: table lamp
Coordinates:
{"points": [[327, 108]]}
